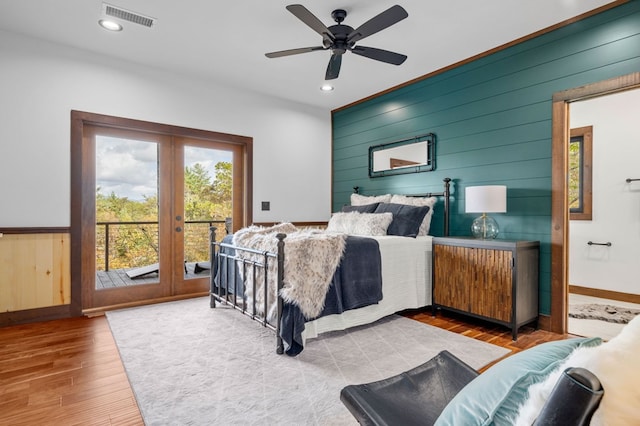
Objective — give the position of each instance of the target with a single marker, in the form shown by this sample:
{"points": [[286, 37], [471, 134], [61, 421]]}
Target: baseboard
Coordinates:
{"points": [[544, 322], [605, 294], [28, 316]]}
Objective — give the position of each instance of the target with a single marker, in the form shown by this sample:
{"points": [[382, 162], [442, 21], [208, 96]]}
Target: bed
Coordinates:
{"points": [[368, 274]]}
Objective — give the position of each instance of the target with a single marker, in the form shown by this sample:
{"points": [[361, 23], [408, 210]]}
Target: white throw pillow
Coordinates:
{"points": [[615, 364], [355, 223], [419, 202], [363, 200]]}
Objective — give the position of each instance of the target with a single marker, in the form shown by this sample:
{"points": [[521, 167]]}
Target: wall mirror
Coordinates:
{"points": [[412, 155]]}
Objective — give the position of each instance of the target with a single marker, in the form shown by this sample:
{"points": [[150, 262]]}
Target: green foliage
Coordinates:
{"points": [[136, 244], [203, 198], [575, 174]]}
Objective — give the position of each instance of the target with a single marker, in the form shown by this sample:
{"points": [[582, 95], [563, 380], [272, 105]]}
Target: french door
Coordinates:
{"points": [[149, 198]]}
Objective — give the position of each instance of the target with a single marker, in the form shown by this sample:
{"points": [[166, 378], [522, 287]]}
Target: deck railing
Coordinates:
{"points": [[123, 234]]}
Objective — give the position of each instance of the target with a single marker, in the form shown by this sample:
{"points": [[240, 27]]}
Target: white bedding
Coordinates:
{"points": [[406, 284]]}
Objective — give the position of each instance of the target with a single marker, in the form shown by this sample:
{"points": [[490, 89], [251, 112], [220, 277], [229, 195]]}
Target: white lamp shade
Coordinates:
{"points": [[486, 199]]}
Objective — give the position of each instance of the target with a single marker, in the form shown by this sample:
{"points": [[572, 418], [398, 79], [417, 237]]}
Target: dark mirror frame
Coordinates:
{"points": [[427, 166]]}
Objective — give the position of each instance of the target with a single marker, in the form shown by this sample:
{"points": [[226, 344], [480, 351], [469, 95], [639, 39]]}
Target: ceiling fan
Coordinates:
{"points": [[341, 38]]}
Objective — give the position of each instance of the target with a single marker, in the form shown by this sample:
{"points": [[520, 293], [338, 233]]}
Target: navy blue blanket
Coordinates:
{"points": [[357, 282], [225, 271]]}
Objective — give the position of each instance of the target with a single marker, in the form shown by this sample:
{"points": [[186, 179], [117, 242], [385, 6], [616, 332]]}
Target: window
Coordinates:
{"points": [[580, 173]]}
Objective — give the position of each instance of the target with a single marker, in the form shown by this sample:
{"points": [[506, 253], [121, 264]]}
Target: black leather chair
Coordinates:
{"points": [[418, 396], [415, 397]]}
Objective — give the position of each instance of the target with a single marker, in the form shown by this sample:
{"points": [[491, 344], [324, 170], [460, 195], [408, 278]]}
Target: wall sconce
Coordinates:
{"points": [[485, 199]]}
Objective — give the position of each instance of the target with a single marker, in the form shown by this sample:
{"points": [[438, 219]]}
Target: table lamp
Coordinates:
{"points": [[485, 199]]}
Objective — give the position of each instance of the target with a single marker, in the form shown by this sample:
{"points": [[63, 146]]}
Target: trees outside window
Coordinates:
{"points": [[580, 173]]}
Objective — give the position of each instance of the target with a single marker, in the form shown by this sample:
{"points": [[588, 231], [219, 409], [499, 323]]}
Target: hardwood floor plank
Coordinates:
{"points": [[87, 375], [13, 388], [13, 403], [124, 418], [102, 388]]}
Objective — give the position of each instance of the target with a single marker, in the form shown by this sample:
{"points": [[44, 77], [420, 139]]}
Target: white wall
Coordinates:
{"points": [[616, 203], [40, 83]]}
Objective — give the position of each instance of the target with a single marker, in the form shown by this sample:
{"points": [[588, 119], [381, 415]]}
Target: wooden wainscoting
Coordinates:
{"points": [[34, 270]]}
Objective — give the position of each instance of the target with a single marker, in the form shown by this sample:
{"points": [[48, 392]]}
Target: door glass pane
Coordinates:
{"points": [[207, 201], [127, 250]]}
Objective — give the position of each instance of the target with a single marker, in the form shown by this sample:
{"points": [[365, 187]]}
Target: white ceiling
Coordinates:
{"points": [[225, 41]]}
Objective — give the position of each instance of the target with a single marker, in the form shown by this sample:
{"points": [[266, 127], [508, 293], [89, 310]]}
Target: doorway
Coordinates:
{"points": [[603, 249], [560, 209], [146, 196]]}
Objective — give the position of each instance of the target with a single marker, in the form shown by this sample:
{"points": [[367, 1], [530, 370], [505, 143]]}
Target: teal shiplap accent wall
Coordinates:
{"points": [[493, 119]]}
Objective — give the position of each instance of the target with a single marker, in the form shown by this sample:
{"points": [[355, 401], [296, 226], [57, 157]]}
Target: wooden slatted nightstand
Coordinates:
{"points": [[495, 280]]}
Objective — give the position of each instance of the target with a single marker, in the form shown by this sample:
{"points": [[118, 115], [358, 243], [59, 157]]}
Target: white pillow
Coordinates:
{"points": [[419, 202], [615, 364], [356, 223], [363, 200]]}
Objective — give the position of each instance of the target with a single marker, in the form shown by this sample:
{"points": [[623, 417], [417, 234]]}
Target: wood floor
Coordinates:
{"points": [[64, 372], [69, 372]]}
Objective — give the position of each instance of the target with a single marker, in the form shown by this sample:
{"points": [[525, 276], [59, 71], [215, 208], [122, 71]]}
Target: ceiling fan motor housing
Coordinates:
{"points": [[340, 43]]}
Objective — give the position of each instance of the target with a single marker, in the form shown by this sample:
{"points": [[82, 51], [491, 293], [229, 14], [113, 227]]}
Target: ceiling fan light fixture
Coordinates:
{"points": [[326, 88], [110, 25]]}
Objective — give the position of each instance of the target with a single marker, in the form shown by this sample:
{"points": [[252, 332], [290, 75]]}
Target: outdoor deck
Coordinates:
{"points": [[119, 278]]}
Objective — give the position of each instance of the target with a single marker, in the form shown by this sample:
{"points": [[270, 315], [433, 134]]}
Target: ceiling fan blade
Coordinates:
{"points": [[333, 69], [303, 14], [380, 55], [293, 51], [378, 23]]}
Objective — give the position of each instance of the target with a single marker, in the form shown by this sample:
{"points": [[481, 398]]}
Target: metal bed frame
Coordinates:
{"points": [[224, 264]]}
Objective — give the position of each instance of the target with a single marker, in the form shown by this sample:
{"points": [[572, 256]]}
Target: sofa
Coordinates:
{"points": [[566, 382]]}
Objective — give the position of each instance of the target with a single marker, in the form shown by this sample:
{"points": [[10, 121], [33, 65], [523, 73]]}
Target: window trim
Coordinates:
{"points": [[586, 133]]}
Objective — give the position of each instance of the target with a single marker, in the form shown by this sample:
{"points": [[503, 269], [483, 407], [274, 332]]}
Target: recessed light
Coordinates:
{"points": [[110, 25], [326, 88]]}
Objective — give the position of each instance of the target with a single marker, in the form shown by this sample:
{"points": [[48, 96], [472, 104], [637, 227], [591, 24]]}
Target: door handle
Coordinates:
{"points": [[591, 243]]}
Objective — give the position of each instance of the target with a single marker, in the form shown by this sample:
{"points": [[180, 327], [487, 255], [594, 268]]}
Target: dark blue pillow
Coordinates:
{"points": [[367, 208], [406, 219]]}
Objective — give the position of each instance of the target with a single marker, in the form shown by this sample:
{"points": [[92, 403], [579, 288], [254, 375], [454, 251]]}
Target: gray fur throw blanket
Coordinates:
{"points": [[311, 257]]}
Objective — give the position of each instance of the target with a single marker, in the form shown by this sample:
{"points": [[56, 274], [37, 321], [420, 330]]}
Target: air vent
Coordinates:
{"points": [[127, 15]]}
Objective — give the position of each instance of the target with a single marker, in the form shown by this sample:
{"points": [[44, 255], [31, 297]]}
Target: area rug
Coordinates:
{"points": [[192, 365], [600, 312]]}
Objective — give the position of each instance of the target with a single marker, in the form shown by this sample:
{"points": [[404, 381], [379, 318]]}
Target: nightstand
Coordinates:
{"points": [[494, 280]]}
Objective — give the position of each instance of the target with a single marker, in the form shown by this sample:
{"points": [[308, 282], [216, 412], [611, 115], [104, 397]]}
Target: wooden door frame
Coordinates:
{"points": [[82, 205], [559, 187]]}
